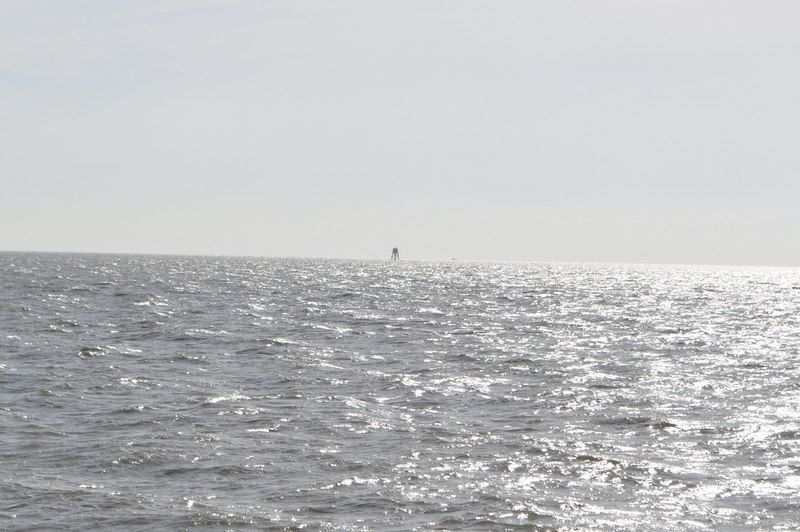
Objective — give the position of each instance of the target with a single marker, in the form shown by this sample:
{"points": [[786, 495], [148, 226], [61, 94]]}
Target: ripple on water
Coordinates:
{"points": [[174, 392]]}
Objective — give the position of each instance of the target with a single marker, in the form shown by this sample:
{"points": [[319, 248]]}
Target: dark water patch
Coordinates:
{"points": [[191, 359], [788, 435], [92, 351], [344, 295]]}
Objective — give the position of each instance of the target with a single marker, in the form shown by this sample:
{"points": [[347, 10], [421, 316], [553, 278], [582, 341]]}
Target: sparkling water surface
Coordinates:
{"points": [[145, 392]]}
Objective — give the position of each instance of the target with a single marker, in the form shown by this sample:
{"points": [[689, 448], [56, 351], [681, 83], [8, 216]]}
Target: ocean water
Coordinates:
{"points": [[144, 392]]}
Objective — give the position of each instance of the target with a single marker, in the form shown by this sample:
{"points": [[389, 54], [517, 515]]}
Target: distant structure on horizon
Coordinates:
{"points": [[395, 254]]}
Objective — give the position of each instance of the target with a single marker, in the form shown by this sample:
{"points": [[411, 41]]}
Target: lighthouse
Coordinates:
{"points": [[395, 253]]}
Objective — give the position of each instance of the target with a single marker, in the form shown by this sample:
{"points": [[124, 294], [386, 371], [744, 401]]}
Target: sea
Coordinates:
{"points": [[175, 392]]}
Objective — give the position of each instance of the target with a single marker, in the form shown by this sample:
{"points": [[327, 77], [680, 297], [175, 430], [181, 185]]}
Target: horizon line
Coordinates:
{"points": [[416, 259]]}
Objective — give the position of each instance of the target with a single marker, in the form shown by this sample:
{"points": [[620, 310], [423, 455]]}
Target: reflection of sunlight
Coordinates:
{"points": [[468, 395]]}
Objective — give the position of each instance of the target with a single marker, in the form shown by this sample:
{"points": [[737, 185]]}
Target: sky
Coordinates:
{"points": [[553, 130]]}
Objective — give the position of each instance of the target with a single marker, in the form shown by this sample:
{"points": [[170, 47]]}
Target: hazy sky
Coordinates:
{"points": [[637, 131]]}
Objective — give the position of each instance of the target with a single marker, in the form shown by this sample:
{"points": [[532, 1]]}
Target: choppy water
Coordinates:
{"points": [[169, 392]]}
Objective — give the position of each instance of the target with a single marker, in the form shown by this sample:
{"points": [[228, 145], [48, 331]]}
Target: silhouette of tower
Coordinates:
{"points": [[395, 254]]}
